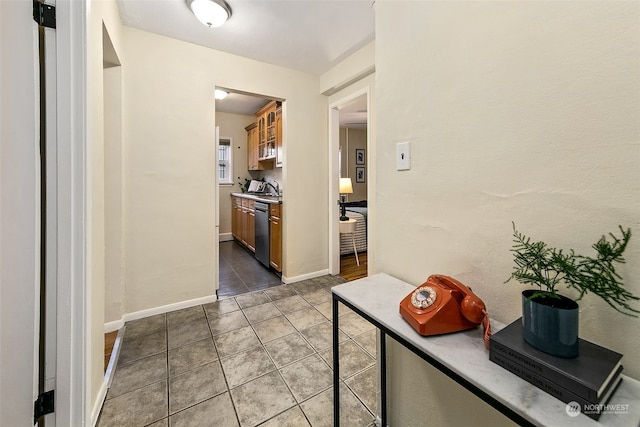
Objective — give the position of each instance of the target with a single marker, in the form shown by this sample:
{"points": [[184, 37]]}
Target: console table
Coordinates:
{"points": [[463, 357]]}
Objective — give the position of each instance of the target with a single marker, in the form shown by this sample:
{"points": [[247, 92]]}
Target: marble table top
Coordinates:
{"points": [[379, 297]]}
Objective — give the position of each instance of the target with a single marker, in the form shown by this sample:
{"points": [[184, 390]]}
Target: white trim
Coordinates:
{"points": [[97, 407], [226, 237], [116, 325], [108, 378], [313, 275], [72, 391], [167, 308]]}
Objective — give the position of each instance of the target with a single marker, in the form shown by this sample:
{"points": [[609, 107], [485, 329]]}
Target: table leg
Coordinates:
{"points": [[383, 378], [336, 366], [355, 251]]}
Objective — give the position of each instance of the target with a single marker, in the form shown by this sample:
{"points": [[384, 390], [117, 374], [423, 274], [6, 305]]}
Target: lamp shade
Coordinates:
{"points": [[212, 13], [345, 186]]}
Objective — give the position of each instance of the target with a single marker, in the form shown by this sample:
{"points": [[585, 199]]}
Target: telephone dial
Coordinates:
{"points": [[442, 305]]}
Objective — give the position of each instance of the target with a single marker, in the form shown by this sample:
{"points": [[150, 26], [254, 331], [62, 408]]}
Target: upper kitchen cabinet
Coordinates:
{"points": [[269, 138], [252, 147], [279, 152]]}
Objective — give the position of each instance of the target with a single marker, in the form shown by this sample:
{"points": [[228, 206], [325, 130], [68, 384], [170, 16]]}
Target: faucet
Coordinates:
{"points": [[276, 188]]}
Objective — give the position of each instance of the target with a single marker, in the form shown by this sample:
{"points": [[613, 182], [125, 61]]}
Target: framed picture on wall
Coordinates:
{"points": [[360, 175], [360, 156]]}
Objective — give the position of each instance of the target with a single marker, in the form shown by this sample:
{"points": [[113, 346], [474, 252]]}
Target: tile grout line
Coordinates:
{"points": [[226, 382], [315, 353]]}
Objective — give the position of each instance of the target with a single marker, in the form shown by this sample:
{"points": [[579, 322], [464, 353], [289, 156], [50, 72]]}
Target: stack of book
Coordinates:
{"points": [[588, 380]]}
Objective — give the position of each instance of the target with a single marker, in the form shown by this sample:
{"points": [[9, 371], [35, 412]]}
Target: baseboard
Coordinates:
{"points": [[302, 277], [97, 408], [108, 375], [116, 325], [167, 308], [225, 237]]}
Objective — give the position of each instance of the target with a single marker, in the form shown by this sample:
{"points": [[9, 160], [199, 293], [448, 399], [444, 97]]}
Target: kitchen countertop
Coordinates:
{"points": [[274, 200]]}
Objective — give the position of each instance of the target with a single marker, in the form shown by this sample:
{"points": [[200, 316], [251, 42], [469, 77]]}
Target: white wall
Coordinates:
{"points": [[516, 111], [19, 195], [169, 130]]}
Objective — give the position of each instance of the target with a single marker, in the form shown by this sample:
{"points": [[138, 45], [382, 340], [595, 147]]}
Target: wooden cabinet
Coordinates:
{"points": [[252, 147], [243, 220], [248, 235], [279, 151], [267, 131], [275, 237], [264, 138], [236, 217]]}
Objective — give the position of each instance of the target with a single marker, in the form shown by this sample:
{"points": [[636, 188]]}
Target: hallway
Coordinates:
{"points": [[261, 358]]}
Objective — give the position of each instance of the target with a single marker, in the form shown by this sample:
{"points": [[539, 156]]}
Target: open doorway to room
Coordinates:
{"points": [[249, 182], [352, 170]]}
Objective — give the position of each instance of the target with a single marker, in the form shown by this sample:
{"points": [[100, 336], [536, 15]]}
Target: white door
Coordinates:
{"points": [[20, 217], [19, 213]]}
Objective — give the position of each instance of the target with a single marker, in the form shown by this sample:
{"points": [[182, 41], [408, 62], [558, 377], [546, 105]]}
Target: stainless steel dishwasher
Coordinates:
{"points": [[262, 232]]}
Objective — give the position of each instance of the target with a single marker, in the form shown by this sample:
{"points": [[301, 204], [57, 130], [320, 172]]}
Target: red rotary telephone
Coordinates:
{"points": [[442, 305]]}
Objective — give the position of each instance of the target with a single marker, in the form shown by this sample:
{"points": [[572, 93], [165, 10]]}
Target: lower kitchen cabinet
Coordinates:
{"points": [[243, 220], [249, 224]]}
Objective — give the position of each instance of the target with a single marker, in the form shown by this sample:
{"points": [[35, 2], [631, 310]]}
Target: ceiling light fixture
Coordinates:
{"points": [[221, 94], [212, 13]]}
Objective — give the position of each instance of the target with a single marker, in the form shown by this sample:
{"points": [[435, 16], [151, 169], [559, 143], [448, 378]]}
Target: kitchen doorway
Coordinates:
{"points": [[238, 269]]}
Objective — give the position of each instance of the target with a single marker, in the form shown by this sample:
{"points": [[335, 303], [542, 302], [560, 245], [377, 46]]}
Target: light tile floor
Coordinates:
{"points": [[262, 358]]}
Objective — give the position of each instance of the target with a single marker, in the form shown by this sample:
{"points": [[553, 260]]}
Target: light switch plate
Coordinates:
{"points": [[403, 156]]}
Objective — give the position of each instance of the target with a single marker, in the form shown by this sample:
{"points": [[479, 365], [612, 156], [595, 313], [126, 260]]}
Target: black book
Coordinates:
{"points": [[586, 376], [590, 409]]}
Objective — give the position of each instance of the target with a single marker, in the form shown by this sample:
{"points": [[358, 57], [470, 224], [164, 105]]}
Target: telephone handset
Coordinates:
{"points": [[442, 305]]}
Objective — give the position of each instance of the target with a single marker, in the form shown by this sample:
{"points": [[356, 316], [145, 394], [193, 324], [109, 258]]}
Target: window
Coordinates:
{"points": [[225, 174]]}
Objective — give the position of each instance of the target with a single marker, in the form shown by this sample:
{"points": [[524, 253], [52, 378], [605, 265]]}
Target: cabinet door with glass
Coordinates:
{"points": [[252, 147], [279, 150]]}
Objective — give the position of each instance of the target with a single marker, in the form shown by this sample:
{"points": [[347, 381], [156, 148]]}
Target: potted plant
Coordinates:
{"points": [[550, 320]]}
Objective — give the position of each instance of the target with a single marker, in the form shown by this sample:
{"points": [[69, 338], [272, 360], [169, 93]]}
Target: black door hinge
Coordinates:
{"points": [[43, 405], [44, 14]]}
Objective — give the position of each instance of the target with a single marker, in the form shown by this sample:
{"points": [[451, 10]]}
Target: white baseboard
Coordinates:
{"points": [[225, 237], [302, 277], [108, 377], [116, 325], [102, 394], [167, 308]]}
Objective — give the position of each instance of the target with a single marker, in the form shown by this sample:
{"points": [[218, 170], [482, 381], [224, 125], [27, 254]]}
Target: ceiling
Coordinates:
{"points": [[306, 35]]}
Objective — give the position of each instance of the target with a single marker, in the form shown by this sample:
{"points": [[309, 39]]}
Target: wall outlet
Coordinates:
{"points": [[403, 156]]}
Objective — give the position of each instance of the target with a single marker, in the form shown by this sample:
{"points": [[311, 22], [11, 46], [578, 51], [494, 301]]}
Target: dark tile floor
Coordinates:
{"points": [[261, 358], [240, 271]]}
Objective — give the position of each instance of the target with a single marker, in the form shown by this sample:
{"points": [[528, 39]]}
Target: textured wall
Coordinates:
{"points": [[516, 111]]}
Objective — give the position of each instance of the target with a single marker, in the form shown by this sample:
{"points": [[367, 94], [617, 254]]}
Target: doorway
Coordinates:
{"points": [[349, 164], [239, 270]]}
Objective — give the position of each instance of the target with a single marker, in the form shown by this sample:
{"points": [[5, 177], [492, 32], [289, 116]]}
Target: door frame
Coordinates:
{"points": [[334, 195], [73, 362]]}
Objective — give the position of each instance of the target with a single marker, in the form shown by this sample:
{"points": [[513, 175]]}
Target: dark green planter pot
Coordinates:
{"points": [[550, 324]]}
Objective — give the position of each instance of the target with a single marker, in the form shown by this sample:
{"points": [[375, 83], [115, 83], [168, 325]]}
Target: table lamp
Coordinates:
{"points": [[345, 188]]}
